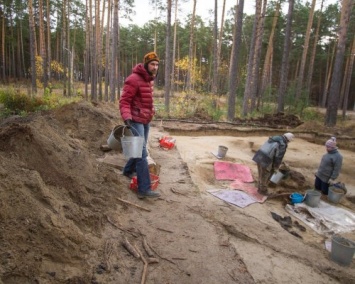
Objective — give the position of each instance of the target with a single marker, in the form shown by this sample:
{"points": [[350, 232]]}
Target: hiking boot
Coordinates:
{"points": [[148, 194]]}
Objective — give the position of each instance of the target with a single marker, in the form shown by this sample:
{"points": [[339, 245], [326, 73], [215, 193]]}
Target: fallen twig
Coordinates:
{"points": [[135, 205], [130, 248], [147, 248], [165, 230], [145, 268]]}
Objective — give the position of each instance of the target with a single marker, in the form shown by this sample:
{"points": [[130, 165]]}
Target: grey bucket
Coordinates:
{"points": [[335, 194], [312, 198], [114, 140], [342, 251], [132, 146], [222, 151]]}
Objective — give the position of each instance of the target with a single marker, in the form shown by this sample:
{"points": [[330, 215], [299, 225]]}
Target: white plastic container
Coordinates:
{"points": [[276, 177]]}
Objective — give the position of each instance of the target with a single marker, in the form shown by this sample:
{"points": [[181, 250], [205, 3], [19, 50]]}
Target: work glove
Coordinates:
{"points": [[128, 123], [332, 181]]}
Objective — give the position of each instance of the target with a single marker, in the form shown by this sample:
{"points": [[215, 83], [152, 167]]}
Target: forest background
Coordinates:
{"points": [[269, 61]]}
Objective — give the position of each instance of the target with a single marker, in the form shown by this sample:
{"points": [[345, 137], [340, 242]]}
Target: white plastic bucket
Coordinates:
{"points": [[114, 140], [132, 146], [276, 177]]}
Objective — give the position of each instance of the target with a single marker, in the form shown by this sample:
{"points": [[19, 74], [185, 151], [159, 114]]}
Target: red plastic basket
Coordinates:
{"points": [[154, 179]]}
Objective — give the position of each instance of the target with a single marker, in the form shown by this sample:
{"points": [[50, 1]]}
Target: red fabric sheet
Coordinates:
{"points": [[232, 171]]}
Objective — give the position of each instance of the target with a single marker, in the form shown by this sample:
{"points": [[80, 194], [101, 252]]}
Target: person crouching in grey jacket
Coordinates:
{"points": [[329, 168], [269, 158]]}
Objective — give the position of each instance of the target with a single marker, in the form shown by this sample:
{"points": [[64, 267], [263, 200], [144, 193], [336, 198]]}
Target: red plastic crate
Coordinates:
{"points": [[154, 179]]}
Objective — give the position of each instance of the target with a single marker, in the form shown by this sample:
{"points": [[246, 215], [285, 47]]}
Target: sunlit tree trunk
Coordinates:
{"points": [[332, 109], [285, 59], [299, 85], [168, 60], [237, 40]]}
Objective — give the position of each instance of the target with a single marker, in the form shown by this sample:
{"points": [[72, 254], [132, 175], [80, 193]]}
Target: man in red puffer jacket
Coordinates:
{"points": [[137, 111]]}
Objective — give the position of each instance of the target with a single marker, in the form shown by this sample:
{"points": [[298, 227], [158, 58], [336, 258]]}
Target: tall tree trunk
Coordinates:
{"points": [[254, 58], [42, 43], [266, 73], [3, 62], [191, 49], [174, 49], [49, 51], [114, 46], [215, 50], [348, 75], [94, 55], [32, 45], [107, 49], [237, 40], [299, 85], [220, 39], [330, 63], [313, 55], [168, 58], [87, 50], [332, 109], [285, 60]]}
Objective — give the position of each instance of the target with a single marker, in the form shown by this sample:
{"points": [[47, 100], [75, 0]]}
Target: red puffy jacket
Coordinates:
{"points": [[136, 102]]}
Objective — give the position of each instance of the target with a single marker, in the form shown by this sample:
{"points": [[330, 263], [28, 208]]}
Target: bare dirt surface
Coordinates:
{"points": [[66, 209]]}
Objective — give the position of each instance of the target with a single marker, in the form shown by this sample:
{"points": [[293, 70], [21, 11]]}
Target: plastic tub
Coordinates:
{"points": [[296, 198]]}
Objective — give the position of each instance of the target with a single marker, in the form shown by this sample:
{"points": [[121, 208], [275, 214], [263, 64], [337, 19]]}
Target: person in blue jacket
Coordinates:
{"points": [[269, 158], [329, 168]]}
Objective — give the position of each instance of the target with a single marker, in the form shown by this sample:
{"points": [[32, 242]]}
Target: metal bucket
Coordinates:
{"points": [[276, 177], [312, 197], [335, 194], [222, 151], [114, 140], [342, 251], [132, 146]]}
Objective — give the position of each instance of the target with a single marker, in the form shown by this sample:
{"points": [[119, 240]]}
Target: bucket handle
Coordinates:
{"points": [[129, 128]]}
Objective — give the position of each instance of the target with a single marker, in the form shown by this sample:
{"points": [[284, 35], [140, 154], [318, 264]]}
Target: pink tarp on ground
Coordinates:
{"points": [[232, 171]]}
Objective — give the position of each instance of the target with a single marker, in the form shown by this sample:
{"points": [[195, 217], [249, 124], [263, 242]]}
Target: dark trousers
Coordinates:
{"points": [[321, 185]]}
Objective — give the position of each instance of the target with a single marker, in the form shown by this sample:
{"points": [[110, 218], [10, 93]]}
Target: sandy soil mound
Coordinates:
{"points": [[66, 210]]}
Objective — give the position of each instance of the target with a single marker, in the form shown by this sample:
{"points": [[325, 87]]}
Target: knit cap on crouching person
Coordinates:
{"points": [[289, 136], [331, 144]]}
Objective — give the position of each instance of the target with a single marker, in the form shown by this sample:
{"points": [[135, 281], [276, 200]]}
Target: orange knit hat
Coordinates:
{"points": [[151, 56]]}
